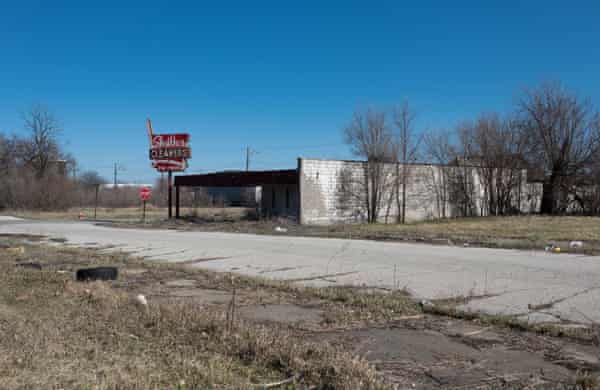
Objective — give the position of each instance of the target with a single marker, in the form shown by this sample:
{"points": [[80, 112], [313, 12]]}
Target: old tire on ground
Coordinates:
{"points": [[98, 273], [37, 266]]}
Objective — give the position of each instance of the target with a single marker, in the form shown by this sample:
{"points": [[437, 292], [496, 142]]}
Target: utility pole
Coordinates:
{"points": [[247, 158], [117, 168], [249, 153]]}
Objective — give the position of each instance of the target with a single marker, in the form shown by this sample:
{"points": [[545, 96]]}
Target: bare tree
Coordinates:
{"points": [[451, 175], [564, 130], [7, 154], [369, 137], [91, 181], [41, 148], [406, 147], [439, 152], [496, 148]]}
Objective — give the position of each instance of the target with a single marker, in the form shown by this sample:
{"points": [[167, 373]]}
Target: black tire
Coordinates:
{"points": [[37, 266], [98, 273]]}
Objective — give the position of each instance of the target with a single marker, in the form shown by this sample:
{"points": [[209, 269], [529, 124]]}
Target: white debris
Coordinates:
{"points": [[576, 244], [141, 300], [9, 218], [279, 229]]}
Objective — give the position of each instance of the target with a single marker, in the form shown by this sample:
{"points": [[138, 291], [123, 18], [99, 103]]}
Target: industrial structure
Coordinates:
{"points": [[322, 191]]}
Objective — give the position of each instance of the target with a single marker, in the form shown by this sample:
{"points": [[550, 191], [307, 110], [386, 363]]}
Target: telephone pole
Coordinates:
{"points": [[249, 153], [117, 168], [247, 158]]}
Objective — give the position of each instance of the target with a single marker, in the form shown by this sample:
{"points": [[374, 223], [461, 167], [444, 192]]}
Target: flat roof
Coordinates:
{"points": [[238, 178]]}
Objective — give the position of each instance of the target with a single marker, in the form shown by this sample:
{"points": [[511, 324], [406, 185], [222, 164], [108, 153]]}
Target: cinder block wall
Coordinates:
{"points": [[332, 191], [322, 183]]}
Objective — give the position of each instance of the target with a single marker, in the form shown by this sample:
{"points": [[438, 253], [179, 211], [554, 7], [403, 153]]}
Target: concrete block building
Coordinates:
{"points": [[325, 192]]}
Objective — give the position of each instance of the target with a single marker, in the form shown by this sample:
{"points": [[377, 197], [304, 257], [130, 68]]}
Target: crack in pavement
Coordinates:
{"points": [[166, 254], [322, 277], [279, 270], [203, 260], [550, 304]]}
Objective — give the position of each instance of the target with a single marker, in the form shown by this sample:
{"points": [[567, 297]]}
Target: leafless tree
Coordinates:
{"points": [[439, 151], [91, 179], [41, 148], [370, 138], [564, 130], [496, 148], [451, 175], [406, 146]]}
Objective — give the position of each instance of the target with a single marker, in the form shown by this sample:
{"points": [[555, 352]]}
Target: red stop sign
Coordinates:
{"points": [[145, 193]]}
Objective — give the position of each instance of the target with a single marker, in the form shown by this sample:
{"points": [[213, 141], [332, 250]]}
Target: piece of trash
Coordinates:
{"points": [[552, 248], [425, 304], [141, 300], [576, 244], [279, 229], [17, 250], [466, 245], [81, 216]]}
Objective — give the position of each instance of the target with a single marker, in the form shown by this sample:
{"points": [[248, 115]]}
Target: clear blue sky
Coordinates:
{"points": [[281, 78]]}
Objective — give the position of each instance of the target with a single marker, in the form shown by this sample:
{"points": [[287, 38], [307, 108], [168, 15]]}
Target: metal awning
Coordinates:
{"points": [[238, 179]]}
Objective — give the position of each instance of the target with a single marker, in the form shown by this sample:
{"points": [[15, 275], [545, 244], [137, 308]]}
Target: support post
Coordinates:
{"points": [[170, 192], [96, 202], [177, 202], [144, 211], [300, 189]]}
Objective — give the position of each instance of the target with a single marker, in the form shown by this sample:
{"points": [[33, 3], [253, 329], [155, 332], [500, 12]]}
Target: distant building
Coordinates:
{"points": [[332, 191], [124, 185], [58, 167]]}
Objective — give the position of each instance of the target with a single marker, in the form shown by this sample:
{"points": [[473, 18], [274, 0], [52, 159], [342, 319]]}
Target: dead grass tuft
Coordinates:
{"points": [[57, 333]]}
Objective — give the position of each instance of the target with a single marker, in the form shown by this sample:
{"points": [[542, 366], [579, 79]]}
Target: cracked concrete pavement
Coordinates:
{"points": [[533, 285]]}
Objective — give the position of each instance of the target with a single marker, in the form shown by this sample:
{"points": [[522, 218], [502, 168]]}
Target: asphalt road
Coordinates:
{"points": [[534, 285]]}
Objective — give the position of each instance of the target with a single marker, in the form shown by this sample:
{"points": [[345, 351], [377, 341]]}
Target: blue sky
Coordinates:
{"points": [[283, 79]]}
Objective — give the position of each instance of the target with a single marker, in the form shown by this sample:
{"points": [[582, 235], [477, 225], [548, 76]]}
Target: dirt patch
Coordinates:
{"points": [[285, 314], [429, 359], [387, 327], [27, 237], [201, 295], [180, 283], [474, 333]]}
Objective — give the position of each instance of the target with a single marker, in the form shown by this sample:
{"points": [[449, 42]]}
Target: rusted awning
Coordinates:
{"points": [[238, 179]]}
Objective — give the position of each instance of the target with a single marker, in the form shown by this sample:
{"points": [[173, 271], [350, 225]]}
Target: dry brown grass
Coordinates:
{"points": [[518, 232], [57, 333], [528, 228], [132, 214]]}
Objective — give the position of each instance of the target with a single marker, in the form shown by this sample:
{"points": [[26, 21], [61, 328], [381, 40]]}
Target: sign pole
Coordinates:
{"points": [[144, 211], [169, 152], [170, 188]]}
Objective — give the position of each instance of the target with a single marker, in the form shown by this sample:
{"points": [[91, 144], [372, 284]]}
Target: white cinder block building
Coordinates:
{"points": [[332, 191]]}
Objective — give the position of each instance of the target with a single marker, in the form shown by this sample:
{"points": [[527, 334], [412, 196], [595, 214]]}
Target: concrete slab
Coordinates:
{"points": [[446, 362], [515, 280]]}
